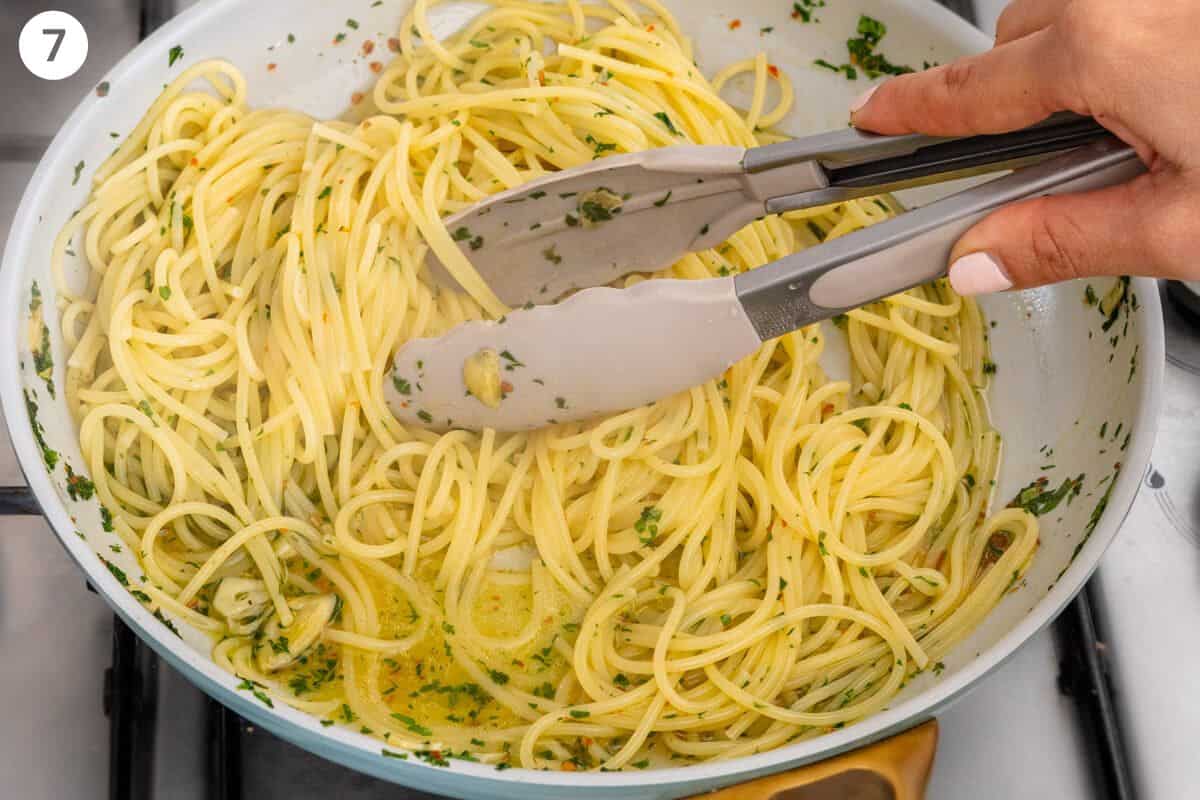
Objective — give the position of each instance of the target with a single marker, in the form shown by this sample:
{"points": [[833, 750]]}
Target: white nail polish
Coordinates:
{"points": [[865, 97], [978, 273], [862, 100]]}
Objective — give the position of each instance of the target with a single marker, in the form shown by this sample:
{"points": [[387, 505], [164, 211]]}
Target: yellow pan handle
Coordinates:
{"points": [[894, 769]]}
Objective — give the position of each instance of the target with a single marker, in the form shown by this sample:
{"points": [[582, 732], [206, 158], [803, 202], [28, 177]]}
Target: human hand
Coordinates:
{"points": [[1131, 66]]}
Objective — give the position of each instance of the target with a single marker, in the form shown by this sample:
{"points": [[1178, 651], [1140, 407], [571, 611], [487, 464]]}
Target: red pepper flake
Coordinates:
{"points": [[650, 27], [394, 44], [541, 77], [733, 26], [356, 98], [567, 766], [195, 162], [826, 410], [376, 67], [102, 89], [368, 47], [271, 67], [773, 70], [505, 388]]}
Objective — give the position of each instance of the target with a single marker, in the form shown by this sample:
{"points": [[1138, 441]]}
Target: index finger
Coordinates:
{"points": [[1011, 86]]}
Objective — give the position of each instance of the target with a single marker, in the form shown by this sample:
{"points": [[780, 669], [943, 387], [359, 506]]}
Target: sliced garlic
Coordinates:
{"points": [[281, 646], [481, 374], [242, 602]]}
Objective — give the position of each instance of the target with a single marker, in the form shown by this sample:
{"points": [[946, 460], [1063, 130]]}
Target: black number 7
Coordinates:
{"points": [[59, 34]]}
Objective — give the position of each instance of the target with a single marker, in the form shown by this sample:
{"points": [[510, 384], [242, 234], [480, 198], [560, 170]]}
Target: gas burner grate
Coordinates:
{"points": [[1181, 318]]}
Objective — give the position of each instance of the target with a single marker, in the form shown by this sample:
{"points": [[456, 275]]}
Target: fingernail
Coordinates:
{"points": [[862, 100], [978, 273]]}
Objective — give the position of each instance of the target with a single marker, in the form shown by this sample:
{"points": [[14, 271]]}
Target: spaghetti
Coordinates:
{"points": [[760, 559]]}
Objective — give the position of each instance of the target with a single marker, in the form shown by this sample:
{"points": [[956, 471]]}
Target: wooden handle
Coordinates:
{"points": [[894, 769]]}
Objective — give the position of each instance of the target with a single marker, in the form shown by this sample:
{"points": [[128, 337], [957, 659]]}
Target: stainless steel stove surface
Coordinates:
{"points": [[1017, 735]]}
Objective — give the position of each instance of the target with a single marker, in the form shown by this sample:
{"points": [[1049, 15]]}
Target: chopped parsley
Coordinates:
{"points": [[412, 725], [647, 525], [551, 255], [512, 361], [50, 457], [804, 10], [78, 172], [352, 23], [599, 147], [43, 359], [498, 676], [174, 55], [599, 205], [463, 234], [117, 572], [256, 688], [79, 487], [662, 117], [862, 53], [402, 386], [1037, 501]]}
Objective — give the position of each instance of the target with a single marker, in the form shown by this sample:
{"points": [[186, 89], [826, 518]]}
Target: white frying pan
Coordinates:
{"points": [[1069, 380]]}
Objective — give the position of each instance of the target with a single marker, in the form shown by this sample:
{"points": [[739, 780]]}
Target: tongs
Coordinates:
{"points": [[603, 350]]}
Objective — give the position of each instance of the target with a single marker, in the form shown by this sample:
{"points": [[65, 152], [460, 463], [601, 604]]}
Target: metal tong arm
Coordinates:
{"points": [[914, 247], [858, 164]]}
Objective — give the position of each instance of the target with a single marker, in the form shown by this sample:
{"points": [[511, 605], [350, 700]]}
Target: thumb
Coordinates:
{"points": [[1062, 237]]}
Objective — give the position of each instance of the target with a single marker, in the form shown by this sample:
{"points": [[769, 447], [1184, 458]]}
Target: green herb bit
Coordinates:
{"points": [[78, 486], [117, 572], [598, 146], [412, 725], [647, 525], [511, 361], [256, 688], [662, 117], [1037, 501], [174, 55], [50, 457]]}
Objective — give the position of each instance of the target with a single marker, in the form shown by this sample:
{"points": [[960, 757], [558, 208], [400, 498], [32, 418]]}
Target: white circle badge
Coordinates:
{"points": [[53, 45]]}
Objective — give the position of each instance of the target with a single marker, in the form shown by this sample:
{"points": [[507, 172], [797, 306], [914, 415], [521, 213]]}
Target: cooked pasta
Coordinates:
{"points": [[762, 558]]}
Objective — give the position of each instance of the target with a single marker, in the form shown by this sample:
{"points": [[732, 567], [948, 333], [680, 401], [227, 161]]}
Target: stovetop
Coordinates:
{"points": [[89, 712]]}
